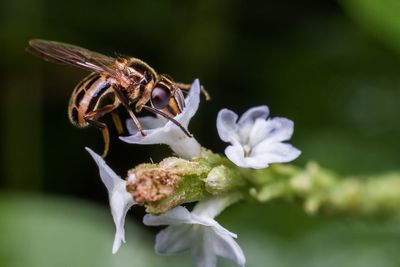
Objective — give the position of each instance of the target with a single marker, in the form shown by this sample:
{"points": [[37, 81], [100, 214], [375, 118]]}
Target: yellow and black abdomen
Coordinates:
{"points": [[87, 96]]}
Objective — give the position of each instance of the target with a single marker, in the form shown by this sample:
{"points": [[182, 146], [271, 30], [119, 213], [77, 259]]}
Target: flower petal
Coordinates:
{"points": [[180, 215], [213, 206], [192, 102], [202, 252], [175, 216], [184, 146], [226, 125], [206, 210], [210, 222], [281, 129], [174, 239], [258, 132], [235, 154], [107, 175], [247, 121], [273, 130], [274, 152], [148, 122], [226, 247], [120, 200], [156, 136], [254, 113], [256, 162]]}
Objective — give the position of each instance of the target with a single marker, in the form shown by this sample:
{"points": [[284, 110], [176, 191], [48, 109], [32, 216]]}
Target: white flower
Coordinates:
{"points": [[120, 199], [256, 141], [159, 130], [198, 232]]}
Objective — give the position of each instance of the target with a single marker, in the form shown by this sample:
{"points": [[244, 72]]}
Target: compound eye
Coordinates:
{"points": [[160, 97]]}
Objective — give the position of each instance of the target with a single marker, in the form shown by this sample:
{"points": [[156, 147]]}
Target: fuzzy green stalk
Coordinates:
{"points": [[318, 189]]}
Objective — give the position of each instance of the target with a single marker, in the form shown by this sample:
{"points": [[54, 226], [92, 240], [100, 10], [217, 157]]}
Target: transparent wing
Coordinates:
{"points": [[63, 53]]}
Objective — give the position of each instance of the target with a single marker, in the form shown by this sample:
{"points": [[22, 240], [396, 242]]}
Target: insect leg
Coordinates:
{"points": [[186, 87], [168, 117], [125, 103], [92, 117], [117, 122]]}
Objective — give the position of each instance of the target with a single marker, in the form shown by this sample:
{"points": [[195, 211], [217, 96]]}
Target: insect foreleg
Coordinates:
{"points": [[168, 117], [125, 103]]}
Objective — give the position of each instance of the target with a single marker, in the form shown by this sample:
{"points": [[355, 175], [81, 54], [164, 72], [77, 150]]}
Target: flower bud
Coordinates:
{"points": [[172, 182], [222, 179]]}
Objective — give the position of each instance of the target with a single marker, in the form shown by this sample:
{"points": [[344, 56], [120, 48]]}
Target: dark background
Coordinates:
{"points": [[330, 66]]}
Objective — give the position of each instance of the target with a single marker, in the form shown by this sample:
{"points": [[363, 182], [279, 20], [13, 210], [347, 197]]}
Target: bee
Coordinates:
{"points": [[114, 82]]}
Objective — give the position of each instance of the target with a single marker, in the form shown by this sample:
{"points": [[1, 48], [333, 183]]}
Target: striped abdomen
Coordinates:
{"points": [[87, 96]]}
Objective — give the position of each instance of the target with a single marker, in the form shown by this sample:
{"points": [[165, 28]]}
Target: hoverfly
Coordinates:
{"points": [[113, 82]]}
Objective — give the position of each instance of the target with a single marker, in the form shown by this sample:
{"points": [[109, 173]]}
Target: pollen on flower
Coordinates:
{"points": [[151, 184]]}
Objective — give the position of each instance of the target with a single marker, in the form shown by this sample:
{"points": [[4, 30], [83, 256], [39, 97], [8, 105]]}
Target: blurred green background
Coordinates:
{"points": [[331, 66]]}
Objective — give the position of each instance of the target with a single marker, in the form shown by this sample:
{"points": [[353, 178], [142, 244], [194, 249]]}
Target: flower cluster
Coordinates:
{"points": [[198, 232], [255, 141]]}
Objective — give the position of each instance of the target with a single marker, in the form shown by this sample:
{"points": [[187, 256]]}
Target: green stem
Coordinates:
{"points": [[316, 188], [323, 190]]}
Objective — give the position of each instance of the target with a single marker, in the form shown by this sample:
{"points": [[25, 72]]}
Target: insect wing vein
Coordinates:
{"points": [[63, 53]]}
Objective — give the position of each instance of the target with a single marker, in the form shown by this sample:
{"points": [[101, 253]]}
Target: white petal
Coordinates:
{"points": [[213, 206], [256, 162], [226, 247], [247, 121], [184, 146], [258, 132], [210, 222], [192, 102], [206, 210], [202, 252], [156, 136], [148, 122], [107, 175], [226, 124], [178, 216], [235, 154], [120, 200], [274, 152], [175, 216], [281, 129], [254, 113], [174, 239], [274, 130]]}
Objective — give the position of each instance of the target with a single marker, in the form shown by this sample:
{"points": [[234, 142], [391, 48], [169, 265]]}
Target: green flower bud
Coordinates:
{"points": [[172, 182], [222, 179]]}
